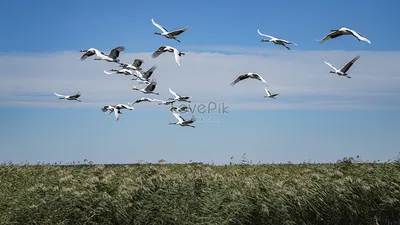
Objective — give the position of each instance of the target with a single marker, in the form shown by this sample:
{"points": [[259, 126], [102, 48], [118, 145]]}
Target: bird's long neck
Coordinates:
{"points": [[157, 33], [332, 72], [264, 40]]}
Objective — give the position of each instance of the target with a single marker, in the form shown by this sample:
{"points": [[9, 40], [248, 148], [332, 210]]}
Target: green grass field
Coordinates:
{"points": [[341, 193]]}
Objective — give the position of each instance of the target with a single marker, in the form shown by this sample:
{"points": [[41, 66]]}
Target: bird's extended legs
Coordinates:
{"points": [[286, 47]]}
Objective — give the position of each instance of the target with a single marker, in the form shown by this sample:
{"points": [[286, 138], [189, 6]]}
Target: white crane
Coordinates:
{"points": [[116, 109], [343, 31], [249, 75], [70, 97], [275, 40], [112, 57], [163, 49], [144, 100], [269, 95], [343, 71], [149, 89], [178, 98], [121, 71], [182, 122], [144, 77], [136, 65], [166, 33]]}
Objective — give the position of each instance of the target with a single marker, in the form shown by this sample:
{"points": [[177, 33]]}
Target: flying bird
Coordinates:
{"points": [[165, 33], [136, 65], [145, 100], [121, 71], [149, 89], [89, 52], [112, 57], [275, 40], [269, 95], [249, 75], [343, 71], [182, 122], [144, 77], [70, 97], [178, 97], [167, 102], [343, 31], [116, 109], [163, 49]]}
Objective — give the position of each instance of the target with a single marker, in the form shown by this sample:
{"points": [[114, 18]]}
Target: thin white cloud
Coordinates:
{"points": [[301, 78]]}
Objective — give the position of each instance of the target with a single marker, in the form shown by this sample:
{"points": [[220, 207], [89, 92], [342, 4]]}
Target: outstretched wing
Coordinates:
{"points": [[261, 79], [177, 116], [116, 112], [266, 90], [177, 56], [87, 55], [330, 65], [123, 106], [240, 78], [151, 86], [77, 95], [62, 96], [158, 52], [332, 34], [114, 53], [137, 63], [149, 72], [265, 35], [359, 36], [174, 93], [349, 64], [159, 26], [178, 32]]}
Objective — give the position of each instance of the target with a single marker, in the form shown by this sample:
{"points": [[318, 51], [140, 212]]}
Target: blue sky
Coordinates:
{"points": [[317, 116]]}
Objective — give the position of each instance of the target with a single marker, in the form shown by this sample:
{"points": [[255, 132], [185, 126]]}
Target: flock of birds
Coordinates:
{"points": [[143, 77]]}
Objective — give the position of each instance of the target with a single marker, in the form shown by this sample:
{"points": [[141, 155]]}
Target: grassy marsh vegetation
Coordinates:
{"points": [[341, 193]]}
